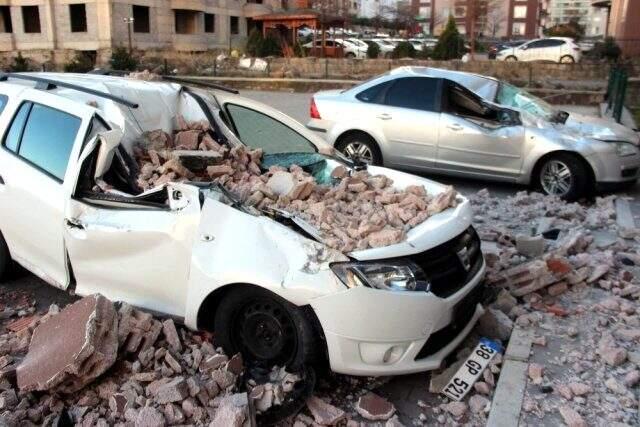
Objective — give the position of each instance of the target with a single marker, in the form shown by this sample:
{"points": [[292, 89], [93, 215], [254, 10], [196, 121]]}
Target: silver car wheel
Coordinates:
{"points": [[359, 151], [556, 178], [567, 60]]}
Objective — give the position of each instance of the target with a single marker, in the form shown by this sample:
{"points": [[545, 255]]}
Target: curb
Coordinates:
{"points": [[509, 394]]}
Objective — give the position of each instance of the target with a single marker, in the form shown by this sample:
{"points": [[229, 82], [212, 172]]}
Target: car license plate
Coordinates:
{"points": [[471, 369]]}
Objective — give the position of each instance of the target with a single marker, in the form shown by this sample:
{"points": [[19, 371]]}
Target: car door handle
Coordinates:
{"points": [[384, 116], [455, 127]]}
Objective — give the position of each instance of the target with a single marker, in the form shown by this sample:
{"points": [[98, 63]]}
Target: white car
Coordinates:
{"points": [[349, 50], [556, 49], [353, 49], [386, 47], [263, 282]]}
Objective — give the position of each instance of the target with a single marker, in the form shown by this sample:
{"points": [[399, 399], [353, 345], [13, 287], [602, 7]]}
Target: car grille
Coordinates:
{"points": [[629, 173], [462, 314], [443, 266]]}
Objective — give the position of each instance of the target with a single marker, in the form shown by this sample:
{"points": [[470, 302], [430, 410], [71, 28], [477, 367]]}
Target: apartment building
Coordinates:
{"points": [[100, 25], [375, 8], [497, 18], [593, 20]]}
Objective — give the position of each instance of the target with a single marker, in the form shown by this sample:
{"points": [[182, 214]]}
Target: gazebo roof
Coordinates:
{"points": [[301, 15]]}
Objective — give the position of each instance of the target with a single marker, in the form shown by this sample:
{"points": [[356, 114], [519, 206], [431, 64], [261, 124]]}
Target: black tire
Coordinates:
{"points": [[265, 328], [569, 57], [350, 55], [360, 139], [511, 58], [580, 180], [5, 258]]}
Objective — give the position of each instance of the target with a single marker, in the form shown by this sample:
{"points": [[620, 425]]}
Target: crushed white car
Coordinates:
{"points": [[264, 277]]}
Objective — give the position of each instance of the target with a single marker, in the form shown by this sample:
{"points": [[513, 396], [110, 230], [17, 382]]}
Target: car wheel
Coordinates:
{"points": [[565, 176], [5, 258], [360, 147], [265, 328], [351, 55], [511, 59], [567, 59]]}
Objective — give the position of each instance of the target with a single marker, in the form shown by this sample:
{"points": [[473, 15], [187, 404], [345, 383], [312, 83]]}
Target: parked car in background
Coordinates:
{"points": [[197, 252], [359, 43], [498, 47], [352, 49], [460, 124], [555, 49], [386, 47], [332, 49]]}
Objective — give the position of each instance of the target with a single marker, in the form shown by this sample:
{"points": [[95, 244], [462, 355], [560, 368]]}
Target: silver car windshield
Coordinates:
{"points": [[512, 96]]}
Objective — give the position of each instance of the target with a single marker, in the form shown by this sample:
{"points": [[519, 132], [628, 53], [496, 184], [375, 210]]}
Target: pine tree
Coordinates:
{"points": [[450, 44]]}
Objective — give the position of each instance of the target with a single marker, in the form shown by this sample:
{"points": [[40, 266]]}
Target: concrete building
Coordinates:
{"points": [[498, 19], [375, 8], [592, 19], [622, 23], [57, 27]]}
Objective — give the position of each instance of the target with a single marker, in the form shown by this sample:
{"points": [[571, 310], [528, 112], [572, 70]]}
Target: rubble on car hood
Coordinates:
{"points": [[348, 210]]}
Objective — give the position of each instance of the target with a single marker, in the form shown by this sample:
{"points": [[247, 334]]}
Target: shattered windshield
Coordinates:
{"points": [[512, 96]]}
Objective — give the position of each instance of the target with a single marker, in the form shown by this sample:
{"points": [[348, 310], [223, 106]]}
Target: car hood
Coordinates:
{"points": [[601, 129], [434, 231]]}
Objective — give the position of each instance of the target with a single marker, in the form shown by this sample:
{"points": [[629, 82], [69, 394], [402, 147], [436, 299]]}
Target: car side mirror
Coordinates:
{"points": [[509, 117]]}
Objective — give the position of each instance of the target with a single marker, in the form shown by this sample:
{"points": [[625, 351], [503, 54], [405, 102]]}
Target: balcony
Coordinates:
{"points": [[601, 3], [256, 9]]}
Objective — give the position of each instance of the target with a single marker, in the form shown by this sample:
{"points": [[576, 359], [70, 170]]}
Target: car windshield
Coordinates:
{"points": [[512, 96]]}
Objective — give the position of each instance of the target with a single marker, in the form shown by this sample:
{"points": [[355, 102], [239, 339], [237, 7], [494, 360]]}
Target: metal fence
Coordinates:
{"points": [[616, 91]]}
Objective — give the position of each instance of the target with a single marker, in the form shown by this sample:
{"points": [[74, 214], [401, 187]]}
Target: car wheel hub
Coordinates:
{"points": [[359, 151], [556, 178], [264, 332]]}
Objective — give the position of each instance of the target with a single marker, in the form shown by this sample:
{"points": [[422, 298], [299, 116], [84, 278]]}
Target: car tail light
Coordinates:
{"points": [[313, 110]]}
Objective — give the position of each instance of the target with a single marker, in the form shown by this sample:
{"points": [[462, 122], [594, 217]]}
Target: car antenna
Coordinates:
{"points": [[201, 83], [48, 84]]}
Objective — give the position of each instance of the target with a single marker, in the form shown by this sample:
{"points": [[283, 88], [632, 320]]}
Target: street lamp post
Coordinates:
{"points": [[129, 22]]}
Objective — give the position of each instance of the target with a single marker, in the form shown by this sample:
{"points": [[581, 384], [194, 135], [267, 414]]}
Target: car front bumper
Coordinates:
{"points": [[376, 332], [609, 168]]}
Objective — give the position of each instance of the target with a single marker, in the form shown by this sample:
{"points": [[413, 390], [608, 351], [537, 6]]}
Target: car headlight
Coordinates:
{"points": [[398, 275], [626, 149]]}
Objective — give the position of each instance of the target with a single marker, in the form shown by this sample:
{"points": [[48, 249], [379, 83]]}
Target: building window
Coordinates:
{"points": [[209, 23], [31, 19], [424, 12], [460, 11], [519, 12], [78, 17], [186, 21], [5, 23], [235, 25], [141, 22], [518, 28]]}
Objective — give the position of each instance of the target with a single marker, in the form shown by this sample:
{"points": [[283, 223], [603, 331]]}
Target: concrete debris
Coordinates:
{"points": [[324, 413], [571, 417], [495, 324], [271, 393], [375, 408], [72, 348], [354, 211]]}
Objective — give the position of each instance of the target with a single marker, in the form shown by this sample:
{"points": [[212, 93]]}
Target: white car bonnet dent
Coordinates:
{"points": [[599, 128]]}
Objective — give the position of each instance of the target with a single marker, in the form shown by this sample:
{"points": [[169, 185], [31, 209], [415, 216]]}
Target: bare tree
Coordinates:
{"points": [[477, 13], [495, 17]]}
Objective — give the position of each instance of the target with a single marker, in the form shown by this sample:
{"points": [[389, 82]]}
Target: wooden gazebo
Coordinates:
{"points": [[292, 20]]}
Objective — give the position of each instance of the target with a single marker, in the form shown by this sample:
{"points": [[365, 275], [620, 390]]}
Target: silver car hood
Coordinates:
{"points": [[599, 128]]}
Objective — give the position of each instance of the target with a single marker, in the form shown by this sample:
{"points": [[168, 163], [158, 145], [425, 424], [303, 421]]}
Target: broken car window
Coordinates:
{"points": [[48, 138], [257, 130], [512, 96]]}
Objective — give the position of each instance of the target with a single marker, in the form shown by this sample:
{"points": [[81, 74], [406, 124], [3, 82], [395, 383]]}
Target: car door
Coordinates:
{"points": [[37, 161], [554, 50], [409, 116], [131, 249], [474, 143], [533, 51]]}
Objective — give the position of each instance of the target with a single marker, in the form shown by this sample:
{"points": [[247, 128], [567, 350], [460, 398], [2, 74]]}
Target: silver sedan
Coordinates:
{"points": [[473, 126]]}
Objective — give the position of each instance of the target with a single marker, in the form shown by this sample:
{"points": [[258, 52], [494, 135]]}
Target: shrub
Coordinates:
{"points": [[270, 46], [607, 49], [20, 63], [81, 63], [403, 50], [450, 45], [121, 59], [373, 51], [298, 50], [253, 42]]}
